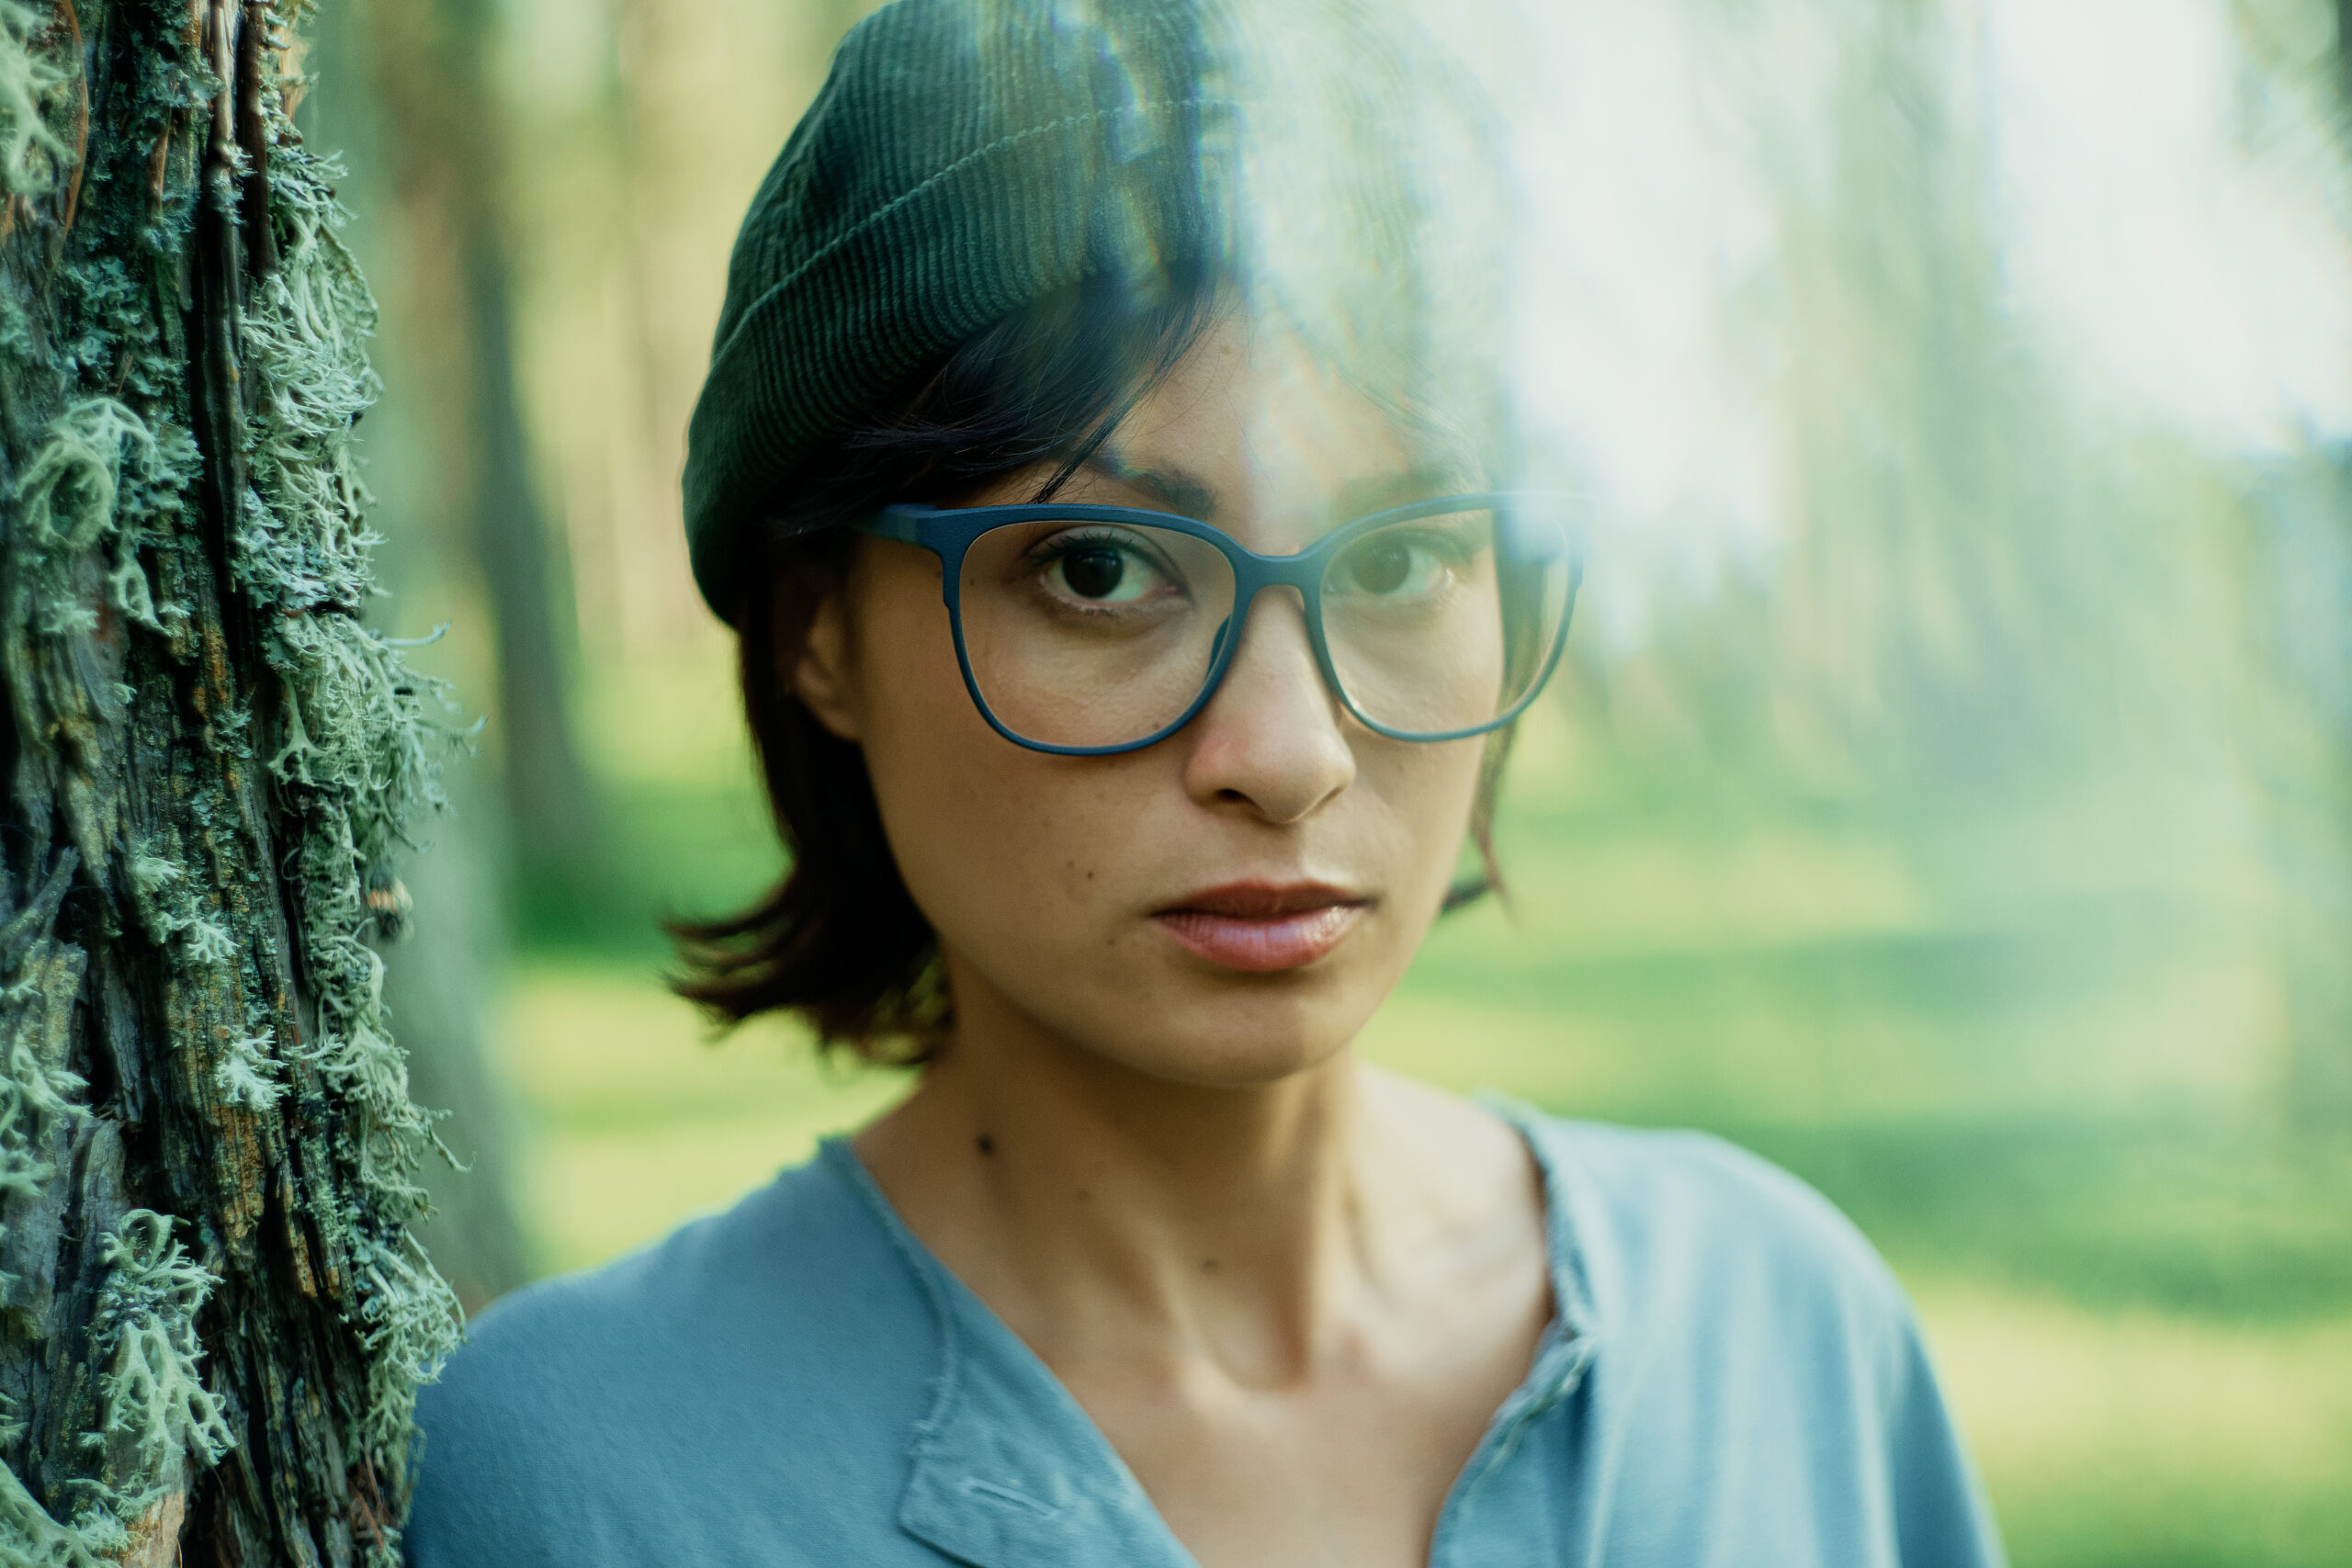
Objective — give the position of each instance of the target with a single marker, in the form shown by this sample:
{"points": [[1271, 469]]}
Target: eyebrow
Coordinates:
{"points": [[1362, 497], [1180, 492], [1173, 489]]}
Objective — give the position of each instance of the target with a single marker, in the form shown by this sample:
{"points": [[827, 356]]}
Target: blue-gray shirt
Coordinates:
{"points": [[1731, 1377]]}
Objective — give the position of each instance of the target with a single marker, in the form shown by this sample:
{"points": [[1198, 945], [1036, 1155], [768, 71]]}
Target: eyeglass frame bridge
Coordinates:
{"points": [[949, 533]]}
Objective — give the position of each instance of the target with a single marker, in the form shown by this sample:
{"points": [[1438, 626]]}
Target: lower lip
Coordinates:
{"points": [[1261, 944]]}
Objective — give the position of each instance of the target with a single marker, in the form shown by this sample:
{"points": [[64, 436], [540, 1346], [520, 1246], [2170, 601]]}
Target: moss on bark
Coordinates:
{"points": [[214, 1315]]}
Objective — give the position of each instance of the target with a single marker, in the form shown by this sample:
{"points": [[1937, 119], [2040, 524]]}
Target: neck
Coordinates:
{"points": [[1085, 1199]]}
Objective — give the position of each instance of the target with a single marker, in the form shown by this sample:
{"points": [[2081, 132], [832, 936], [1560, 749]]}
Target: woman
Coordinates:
{"points": [[1131, 618]]}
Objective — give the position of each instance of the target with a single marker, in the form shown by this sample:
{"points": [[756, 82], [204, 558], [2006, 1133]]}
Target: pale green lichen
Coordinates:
{"points": [[156, 1417], [246, 1075], [31, 154], [156, 894], [39, 1099], [99, 486], [306, 334], [39, 1093], [359, 754], [101, 477], [33, 1099], [208, 941], [355, 754], [30, 1539]]}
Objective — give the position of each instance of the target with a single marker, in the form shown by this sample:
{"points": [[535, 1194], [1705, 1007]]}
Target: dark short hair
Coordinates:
{"points": [[967, 158], [840, 939]]}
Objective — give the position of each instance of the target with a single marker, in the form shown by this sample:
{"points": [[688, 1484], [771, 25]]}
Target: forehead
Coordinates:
{"points": [[1259, 421]]}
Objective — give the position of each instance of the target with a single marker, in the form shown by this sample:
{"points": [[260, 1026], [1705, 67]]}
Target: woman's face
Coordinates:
{"points": [[1225, 906]]}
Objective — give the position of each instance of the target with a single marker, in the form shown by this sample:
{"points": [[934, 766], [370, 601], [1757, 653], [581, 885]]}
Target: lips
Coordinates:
{"points": [[1261, 927]]}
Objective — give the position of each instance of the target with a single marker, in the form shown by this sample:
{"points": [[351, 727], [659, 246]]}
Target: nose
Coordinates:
{"points": [[1271, 741]]}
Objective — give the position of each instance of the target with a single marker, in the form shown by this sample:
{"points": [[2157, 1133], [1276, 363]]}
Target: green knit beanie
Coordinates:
{"points": [[964, 159]]}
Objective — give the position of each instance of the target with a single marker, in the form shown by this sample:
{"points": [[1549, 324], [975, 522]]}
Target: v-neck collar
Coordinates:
{"points": [[1008, 1471]]}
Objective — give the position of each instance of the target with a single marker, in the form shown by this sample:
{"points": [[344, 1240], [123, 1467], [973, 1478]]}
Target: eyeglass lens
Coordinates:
{"points": [[1090, 633]]}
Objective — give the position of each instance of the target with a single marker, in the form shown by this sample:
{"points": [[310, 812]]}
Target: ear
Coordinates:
{"points": [[822, 672]]}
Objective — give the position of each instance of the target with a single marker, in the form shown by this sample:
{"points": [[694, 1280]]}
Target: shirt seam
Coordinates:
{"points": [[949, 1377], [1565, 1258]]}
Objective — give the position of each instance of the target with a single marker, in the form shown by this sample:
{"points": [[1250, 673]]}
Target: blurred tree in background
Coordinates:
{"points": [[2312, 574], [445, 141], [452, 495]]}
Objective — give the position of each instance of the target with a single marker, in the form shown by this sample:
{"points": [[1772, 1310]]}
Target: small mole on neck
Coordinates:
{"points": [[985, 1144], [1208, 1265]]}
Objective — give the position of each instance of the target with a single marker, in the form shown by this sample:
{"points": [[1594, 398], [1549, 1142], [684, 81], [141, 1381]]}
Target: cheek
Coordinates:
{"points": [[1418, 799], [992, 839], [1037, 871]]}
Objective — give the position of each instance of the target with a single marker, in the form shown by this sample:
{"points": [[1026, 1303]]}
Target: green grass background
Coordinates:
{"points": [[2030, 1069]]}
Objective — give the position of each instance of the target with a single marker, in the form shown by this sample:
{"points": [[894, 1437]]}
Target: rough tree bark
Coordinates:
{"points": [[214, 1313]]}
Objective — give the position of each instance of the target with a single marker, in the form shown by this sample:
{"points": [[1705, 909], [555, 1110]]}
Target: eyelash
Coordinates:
{"points": [[1442, 543], [1071, 541]]}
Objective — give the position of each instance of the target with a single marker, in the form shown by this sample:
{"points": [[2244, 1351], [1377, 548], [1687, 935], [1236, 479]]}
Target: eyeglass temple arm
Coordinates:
{"points": [[902, 523], [1525, 544]]}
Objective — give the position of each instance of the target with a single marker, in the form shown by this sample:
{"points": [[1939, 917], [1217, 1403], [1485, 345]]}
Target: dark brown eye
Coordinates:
{"points": [[1094, 573], [1381, 568]]}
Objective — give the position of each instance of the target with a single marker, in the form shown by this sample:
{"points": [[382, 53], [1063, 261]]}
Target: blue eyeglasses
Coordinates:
{"points": [[1089, 630]]}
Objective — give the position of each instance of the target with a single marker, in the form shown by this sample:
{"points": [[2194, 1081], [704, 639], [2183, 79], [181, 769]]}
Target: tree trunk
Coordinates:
{"points": [[2343, 49], [2313, 819], [215, 1314]]}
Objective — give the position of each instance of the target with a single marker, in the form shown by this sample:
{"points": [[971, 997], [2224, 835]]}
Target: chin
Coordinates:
{"points": [[1221, 1066], [1215, 1044], [1168, 1017]]}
